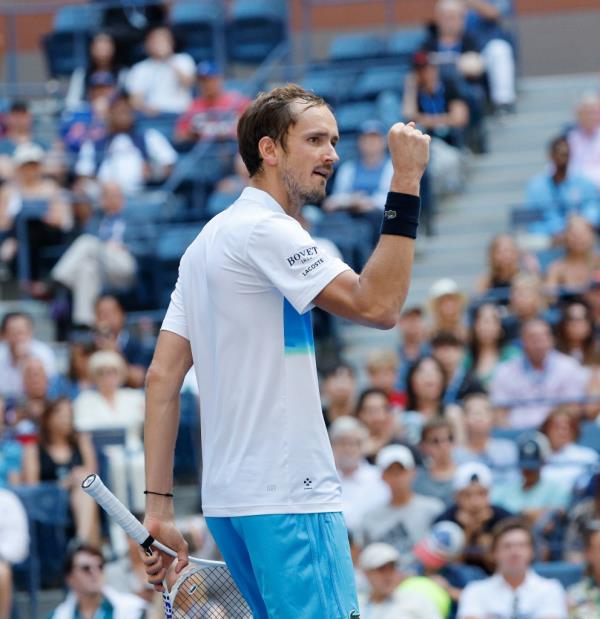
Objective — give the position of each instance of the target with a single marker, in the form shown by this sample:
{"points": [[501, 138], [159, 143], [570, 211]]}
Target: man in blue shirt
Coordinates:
{"points": [[560, 193]]}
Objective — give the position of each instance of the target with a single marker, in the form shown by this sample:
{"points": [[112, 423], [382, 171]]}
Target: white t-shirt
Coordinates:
{"points": [[158, 83], [537, 598], [14, 528], [244, 288]]}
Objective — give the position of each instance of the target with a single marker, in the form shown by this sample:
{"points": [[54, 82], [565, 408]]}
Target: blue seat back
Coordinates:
{"points": [[350, 116], [404, 43], [567, 573], [356, 46], [376, 80]]}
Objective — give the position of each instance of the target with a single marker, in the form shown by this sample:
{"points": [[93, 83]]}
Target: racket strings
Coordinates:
{"points": [[208, 593]]}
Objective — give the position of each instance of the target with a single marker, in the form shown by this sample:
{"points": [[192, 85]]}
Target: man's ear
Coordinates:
{"points": [[268, 150]]}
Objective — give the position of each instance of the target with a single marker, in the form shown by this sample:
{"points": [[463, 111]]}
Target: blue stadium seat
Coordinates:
{"points": [[219, 201], [332, 83], [547, 256], [196, 25], [47, 507], [255, 29], [165, 123], [567, 573], [187, 451], [404, 43], [356, 46], [77, 18], [511, 434], [350, 116], [590, 435], [351, 236], [377, 80]]}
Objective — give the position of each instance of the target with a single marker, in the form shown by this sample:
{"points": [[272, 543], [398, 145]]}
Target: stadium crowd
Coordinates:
{"points": [[467, 449]]}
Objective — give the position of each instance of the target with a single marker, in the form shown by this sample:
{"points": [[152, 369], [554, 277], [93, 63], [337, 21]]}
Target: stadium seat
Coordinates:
{"points": [[47, 507], [66, 46], [187, 446], [376, 80], [351, 236], [219, 201], [510, 434], [350, 116], [197, 26], [359, 46], [333, 83], [567, 573], [404, 43], [255, 29], [547, 256], [164, 123], [590, 435]]}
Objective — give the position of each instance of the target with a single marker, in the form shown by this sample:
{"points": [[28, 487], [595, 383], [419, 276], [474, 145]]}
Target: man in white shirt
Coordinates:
{"points": [[239, 314], [17, 347], [515, 591], [362, 486], [162, 83]]}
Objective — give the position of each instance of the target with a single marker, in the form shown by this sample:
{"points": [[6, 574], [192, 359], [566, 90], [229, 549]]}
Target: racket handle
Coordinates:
{"points": [[93, 486]]}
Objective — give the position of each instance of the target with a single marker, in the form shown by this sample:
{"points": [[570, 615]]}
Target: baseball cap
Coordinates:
{"points": [[393, 454], [443, 287], [372, 126], [28, 153], [469, 473], [206, 68], [377, 555], [444, 542], [533, 450], [102, 78]]}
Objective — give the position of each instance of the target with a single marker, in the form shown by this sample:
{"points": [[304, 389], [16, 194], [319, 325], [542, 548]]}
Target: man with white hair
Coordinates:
{"points": [[584, 139], [362, 486], [385, 599]]}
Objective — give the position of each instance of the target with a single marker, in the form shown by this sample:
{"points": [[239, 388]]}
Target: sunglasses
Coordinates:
{"points": [[88, 568]]}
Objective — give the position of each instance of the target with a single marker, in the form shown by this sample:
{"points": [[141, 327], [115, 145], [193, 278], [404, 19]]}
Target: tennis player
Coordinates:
{"points": [[240, 315]]}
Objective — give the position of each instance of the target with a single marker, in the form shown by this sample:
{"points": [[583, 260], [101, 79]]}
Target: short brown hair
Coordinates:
{"points": [[506, 526], [270, 115], [81, 548]]}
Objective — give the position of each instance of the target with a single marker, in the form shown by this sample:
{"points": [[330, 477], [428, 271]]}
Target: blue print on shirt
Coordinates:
{"points": [[297, 331]]}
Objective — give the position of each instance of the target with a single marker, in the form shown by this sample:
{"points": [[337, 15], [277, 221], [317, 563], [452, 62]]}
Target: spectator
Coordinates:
{"points": [[435, 103], [96, 260], [162, 83], [19, 130], [533, 496], [126, 156], [567, 461], [29, 409], [480, 446], [450, 351], [514, 590], [579, 516], [88, 120], [362, 486], [574, 271], [66, 457], [473, 511], [592, 297], [88, 596], [215, 113], [504, 264], [11, 455], [339, 392], [582, 598], [16, 347], [526, 302], [374, 410], [408, 516], [77, 378], [29, 184], [447, 306], [14, 545], [524, 389], [102, 59], [584, 140], [414, 341], [560, 192], [575, 332], [435, 477], [360, 187], [382, 369], [385, 600], [484, 23], [486, 345], [111, 333]]}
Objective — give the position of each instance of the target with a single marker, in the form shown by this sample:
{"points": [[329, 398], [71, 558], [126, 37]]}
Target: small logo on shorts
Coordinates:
{"points": [[308, 484], [354, 615]]}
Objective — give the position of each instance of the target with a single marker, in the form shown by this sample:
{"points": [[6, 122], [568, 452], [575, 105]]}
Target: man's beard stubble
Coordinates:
{"points": [[299, 196]]}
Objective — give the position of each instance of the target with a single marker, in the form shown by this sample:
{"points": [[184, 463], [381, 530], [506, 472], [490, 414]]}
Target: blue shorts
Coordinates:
{"points": [[290, 565]]}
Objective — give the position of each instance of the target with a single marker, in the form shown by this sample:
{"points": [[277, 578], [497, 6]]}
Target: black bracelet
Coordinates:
{"points": [[401, 215], [167, 494]]}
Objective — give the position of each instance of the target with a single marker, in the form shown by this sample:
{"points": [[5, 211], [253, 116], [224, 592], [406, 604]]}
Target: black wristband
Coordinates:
{"points": [[401, 215], [167, 494]]}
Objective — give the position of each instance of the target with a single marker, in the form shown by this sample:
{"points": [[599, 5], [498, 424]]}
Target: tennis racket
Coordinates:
{"points": [[204, 590]]}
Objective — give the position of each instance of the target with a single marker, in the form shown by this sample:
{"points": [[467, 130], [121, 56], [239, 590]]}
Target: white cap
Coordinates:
{"points": [[395, 454], [347, 426], [377, 555], [28, 153], [472, 472], [442, 287]]}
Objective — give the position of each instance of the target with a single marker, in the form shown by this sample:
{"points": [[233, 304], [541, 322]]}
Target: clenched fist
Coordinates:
{"points": [[409, 150]]}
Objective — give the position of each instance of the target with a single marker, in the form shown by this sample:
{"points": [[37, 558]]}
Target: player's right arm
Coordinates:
{"points": [[375, 297]]}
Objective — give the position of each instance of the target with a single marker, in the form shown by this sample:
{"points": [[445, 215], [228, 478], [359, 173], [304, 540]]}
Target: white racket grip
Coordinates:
{"points": [[93, 486]]}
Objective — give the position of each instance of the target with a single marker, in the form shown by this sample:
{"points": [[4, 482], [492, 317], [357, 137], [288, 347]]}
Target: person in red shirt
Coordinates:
{"points": [[215, 113]]}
